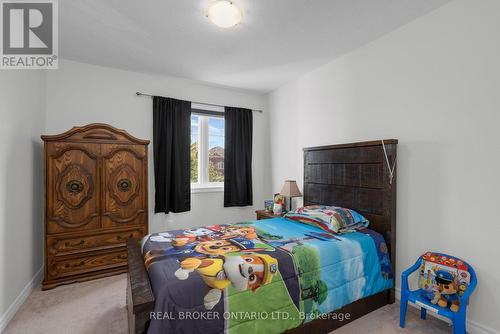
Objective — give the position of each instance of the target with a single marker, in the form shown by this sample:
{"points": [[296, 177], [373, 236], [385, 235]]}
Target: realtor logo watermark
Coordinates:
{"points": [[29, 34]]}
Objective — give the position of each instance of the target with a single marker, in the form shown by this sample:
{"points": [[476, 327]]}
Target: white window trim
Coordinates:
{"points": [[196, 189], [203, 186]]}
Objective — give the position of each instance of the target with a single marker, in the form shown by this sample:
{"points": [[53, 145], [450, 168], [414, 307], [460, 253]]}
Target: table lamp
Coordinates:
{"points": [[290, 190]]}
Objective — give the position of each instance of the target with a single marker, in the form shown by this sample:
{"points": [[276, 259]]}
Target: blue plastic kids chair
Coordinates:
{"points": [[431, 271]]}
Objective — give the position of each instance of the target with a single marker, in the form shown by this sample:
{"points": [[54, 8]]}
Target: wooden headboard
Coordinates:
{"points": [[355, 176]]}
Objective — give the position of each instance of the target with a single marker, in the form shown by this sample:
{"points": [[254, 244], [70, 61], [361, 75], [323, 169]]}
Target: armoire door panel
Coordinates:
{"points": [[72, 187], [124, 185]]}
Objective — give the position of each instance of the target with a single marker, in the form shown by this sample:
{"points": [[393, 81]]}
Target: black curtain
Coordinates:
{"points": [[172, 159], [238, 157]]}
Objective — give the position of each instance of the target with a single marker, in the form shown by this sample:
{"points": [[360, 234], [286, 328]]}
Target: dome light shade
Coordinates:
{"points": [[224, 14]]}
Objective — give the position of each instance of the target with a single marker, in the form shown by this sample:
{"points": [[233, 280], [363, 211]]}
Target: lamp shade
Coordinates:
{"points": [[290, 189]]}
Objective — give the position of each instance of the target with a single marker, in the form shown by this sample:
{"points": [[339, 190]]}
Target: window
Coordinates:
{"points": [[195, 147], [207, 151]]}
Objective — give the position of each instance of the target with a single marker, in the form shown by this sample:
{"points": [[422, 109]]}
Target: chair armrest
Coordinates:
{"points": [[407, 272]]}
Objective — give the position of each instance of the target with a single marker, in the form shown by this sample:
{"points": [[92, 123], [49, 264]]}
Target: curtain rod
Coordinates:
{"points": [[208, 104]]}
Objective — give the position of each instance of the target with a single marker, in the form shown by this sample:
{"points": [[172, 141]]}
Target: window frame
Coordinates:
{"points": [[203, 185]]}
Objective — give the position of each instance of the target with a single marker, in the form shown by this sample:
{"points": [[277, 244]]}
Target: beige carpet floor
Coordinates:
{"points": [[99, 307], [85, 308]]}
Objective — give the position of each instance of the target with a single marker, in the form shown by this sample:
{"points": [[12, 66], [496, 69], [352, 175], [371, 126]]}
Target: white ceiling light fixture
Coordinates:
{"points": [[224, 14]]}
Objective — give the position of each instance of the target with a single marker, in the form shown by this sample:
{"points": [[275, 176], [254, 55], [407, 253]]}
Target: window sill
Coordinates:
{"points": [[206, 189]]}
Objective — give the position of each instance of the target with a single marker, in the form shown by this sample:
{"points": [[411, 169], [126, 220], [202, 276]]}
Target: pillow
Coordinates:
{"points": [[332, 219]]}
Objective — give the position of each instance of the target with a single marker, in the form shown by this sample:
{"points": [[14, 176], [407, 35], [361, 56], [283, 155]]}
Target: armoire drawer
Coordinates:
{"points": [[61, 267], [65, 245]]}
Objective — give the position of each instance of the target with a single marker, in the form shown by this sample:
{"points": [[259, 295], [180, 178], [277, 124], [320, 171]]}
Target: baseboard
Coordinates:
{"points": [[473, 327], [20, 299]]}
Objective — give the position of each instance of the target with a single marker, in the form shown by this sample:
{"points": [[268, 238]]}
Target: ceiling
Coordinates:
{"points": [[277, 40]]}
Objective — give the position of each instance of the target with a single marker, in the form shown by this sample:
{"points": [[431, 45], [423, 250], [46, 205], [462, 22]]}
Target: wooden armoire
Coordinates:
{"points": [[96, 197]]}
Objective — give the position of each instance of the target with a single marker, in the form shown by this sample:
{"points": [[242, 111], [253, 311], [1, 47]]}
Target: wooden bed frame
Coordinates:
{"points": [[354, 175]]}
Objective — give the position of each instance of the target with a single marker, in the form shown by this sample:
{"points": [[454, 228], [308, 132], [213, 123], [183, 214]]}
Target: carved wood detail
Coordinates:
{"points": [[60, 150], [83, 134], [124, 184], [99, 135], [123, 220], [96, 198], [125, 175], [75, 186], [66, 224], [72, 186]]}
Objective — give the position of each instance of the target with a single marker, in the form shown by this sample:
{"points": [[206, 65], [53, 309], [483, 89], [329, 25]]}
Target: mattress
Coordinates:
{"points": [[263, 276]]}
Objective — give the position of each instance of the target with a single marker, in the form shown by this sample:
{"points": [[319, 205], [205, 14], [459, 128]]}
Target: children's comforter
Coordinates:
{"points": [[263, 276]]}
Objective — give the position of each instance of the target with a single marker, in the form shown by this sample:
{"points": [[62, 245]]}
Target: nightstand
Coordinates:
{"points": [[263, 214]]}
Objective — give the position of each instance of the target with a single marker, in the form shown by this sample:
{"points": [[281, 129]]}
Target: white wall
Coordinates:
{"points": [[434, 85], [22, 120], [78, 94]]}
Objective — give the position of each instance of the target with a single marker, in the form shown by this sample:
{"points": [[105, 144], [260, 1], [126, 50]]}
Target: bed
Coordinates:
{"points": [[297, 278]]}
